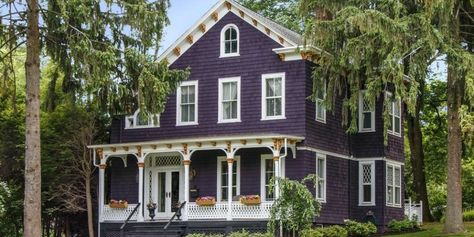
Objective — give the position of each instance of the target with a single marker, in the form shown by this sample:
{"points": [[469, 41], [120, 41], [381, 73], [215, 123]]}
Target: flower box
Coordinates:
{"points": [[206, 201], [118, 204], [250, 200]]}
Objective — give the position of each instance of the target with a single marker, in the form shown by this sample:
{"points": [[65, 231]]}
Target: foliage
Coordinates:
{"points": [[296, 207], [436, 229], [331, 231], [466, 216], [11, 208], [356, 229], [244, 233], [204, 235], [403, 225]]}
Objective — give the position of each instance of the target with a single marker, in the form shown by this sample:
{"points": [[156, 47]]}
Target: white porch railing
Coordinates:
{"points": [[414, 210], [118, 214], [239, 211]]}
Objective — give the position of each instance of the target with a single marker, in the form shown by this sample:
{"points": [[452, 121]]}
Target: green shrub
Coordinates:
{"points": [[403, 225], [311, 233], [204, 235], [468, 215], [356, 229], [244, 233], [334, 231]]}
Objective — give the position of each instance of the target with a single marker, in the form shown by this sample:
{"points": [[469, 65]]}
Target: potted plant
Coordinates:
{"points": [[206, 201], [118, 203], [250, 200], [151, 209]]}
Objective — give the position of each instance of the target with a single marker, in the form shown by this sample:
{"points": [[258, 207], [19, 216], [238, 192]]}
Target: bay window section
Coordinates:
{"points": [[393, 183], [367, 183]]}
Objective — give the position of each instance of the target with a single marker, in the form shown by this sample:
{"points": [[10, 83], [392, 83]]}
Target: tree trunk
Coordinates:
{"points": [[90, 218], [32, 202], [417, 157], [454, 222]]}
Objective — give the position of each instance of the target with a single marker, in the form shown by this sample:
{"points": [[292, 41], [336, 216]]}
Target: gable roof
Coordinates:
{"points": [[280, 34]]}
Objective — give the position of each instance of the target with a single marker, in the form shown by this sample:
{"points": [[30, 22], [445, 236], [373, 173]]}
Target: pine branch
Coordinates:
{"points": [[12, 50], [12, 38], [467, 14]]}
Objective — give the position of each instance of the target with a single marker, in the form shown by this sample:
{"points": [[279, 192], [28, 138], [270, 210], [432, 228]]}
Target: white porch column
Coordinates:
{"points": [[141, 165], [230, 162], [101, 190], [276, 161], [186, 164]]}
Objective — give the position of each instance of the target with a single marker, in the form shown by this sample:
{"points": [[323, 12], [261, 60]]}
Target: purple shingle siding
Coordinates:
{"points": [[123, 180]]}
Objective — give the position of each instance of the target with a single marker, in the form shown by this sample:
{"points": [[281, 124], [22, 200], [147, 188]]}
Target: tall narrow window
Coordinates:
{"points": [[321, 175], [394, 181], [273, 96], [230, 41], [320, 106], [267, 173], [223, 178], [366, 183], [229, 100], [395, 115], [187, 103], [366, 113]]}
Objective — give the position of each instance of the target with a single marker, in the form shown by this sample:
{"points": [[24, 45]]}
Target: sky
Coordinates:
{"points": [[183, 14]]}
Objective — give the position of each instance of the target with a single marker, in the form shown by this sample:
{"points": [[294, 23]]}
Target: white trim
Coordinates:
{"points": [[134, 124], [196, 102], [220, 118], [320, 101], [220, 159], [263, 158], [394, 167], [318, 157], [392, 116], [222, 41], [372, 180], [305, 148], [263, 95], [361, 111]]}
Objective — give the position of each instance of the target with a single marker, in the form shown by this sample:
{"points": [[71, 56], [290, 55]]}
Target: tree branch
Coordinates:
{"points": [[12, 50]]}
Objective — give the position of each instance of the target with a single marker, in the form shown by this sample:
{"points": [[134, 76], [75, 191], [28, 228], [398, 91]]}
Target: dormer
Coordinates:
{"points": [[142, 120]]}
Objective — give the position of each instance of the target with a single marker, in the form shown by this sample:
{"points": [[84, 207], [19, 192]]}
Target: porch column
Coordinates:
{"points": [[276, 161], [140, 190], [186, 164], [230, 162], [101, 189]]}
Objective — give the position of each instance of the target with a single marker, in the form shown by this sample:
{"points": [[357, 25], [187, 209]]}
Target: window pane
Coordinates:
{"points": [[184, 94], [270, 107], [224, 194], [397, 195], [367, 193], [270, 87], [227, 110], [227, 47], [191, 113], [234, 109], [192, 94], [233, 90], [320, 189], [233, 33], [278, 87], [184, 113], [269, 165], [278, 106], [320, 109], [233, 46], [367, 119], [397, 125], [226, 91]]}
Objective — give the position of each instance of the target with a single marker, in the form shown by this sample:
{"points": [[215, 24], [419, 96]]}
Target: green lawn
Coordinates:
{"points": [[436, 229]]}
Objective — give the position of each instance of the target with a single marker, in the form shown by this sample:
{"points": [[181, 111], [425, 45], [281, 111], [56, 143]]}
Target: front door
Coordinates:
{"points": [[167, 192]]}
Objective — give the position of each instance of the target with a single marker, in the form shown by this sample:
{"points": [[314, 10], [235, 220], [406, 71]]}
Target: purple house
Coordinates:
{"points": [[242, 118]]}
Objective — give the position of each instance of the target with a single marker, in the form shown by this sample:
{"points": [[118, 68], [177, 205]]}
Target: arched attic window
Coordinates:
{"points": [[142, 120], [230, 41]]}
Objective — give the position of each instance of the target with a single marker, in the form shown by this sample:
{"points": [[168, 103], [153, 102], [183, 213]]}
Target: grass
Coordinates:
{"points": [[436, 229]]}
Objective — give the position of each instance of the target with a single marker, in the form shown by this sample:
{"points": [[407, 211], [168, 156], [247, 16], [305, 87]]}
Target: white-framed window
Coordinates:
{"points": [[229, 100], [394, 185], [395, 111], [187, 103], [222, 178], [273, 96], [230, 41], [320, 106], [267, 173], [142, 120], [366, 113], [366, 183], [321, 175]]}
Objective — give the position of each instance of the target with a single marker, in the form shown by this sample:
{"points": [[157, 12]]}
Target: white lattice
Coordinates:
{"points": [[367, 174], [164, 159], [241, 211], [118, 214], [196, 212], [367, 106]]}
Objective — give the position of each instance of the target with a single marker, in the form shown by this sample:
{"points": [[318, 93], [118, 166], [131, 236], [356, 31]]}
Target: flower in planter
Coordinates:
{"points": [[206, 198], [151, 205]]}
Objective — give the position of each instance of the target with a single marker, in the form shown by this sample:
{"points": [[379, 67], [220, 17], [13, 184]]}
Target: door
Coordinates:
{"points": [[167, 192]]}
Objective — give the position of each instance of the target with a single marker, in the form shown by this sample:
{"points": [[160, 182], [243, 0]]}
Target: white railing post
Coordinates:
{"points": [[230, 162], [186, 163], [141, 165], [101, 190], [420, 219], [276, 160]]}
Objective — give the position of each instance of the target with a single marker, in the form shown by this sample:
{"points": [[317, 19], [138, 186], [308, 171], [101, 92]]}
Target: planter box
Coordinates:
{"points": [[118, 205], [206, 202], [250, 200]]}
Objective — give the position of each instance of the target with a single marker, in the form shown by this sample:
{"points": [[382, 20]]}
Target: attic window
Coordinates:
{"points": [[142, 120], [230, 41]]}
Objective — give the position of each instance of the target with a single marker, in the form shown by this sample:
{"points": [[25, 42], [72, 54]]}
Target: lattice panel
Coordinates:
{"points": [[118, 214], [367, 106], [397, 177], [166, 159], [196, 212], [241, 211], [367, 174]]}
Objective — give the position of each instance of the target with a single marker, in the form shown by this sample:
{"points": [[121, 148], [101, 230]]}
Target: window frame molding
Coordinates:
{"points": [[320, 156], [222, 41], [281, 75], [194, 83], [394, 167], [361, 112], [220, 159], [361, 185], [151, 124], [319, 100], [392, 115], [220, 110], [263, 158]]}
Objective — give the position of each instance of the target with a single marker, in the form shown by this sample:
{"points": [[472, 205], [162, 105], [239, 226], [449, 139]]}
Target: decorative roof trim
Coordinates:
{"points": [[209, 19], [297, 53]]}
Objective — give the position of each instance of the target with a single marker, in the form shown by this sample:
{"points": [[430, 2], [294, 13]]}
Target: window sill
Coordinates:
{"points": [[366, 204], [229, 55], [273, 118], [394, 205], [187, 124], [321, 200], [140, 127], [229, 121], [394, 133], [366, 131], [321, 120]]}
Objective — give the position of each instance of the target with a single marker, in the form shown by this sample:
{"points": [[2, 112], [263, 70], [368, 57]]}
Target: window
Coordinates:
{"points": [[230, 41], [222, 178], [321, 174], [367, 183], [395, 115], [266, 175], [187, 103], [320, 106], [394, 181], [273, 96], [229, 100], [366, 113], [142, 120]]}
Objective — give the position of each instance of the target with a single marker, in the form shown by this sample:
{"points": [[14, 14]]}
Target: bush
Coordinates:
{"points": [[311, 233], [468, 215], [403, 225], [245, 233], [334, 231], [356, 229], [204, 235]]}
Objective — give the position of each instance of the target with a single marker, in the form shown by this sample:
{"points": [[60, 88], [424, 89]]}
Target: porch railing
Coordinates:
{"points": [[119, 214], [239, 211]]}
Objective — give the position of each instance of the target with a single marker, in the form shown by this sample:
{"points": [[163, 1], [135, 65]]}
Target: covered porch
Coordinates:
{"points": [[174, 171]]}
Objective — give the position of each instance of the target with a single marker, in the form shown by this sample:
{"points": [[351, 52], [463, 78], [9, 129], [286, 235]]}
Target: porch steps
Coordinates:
{"points": [[176, 229]]}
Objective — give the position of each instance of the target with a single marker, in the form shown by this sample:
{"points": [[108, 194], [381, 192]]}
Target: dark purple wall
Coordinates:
{"points": [[123, 180]]}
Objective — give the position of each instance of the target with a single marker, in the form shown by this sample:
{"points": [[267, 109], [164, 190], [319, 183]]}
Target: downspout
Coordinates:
{"points": [[280, 172]]}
